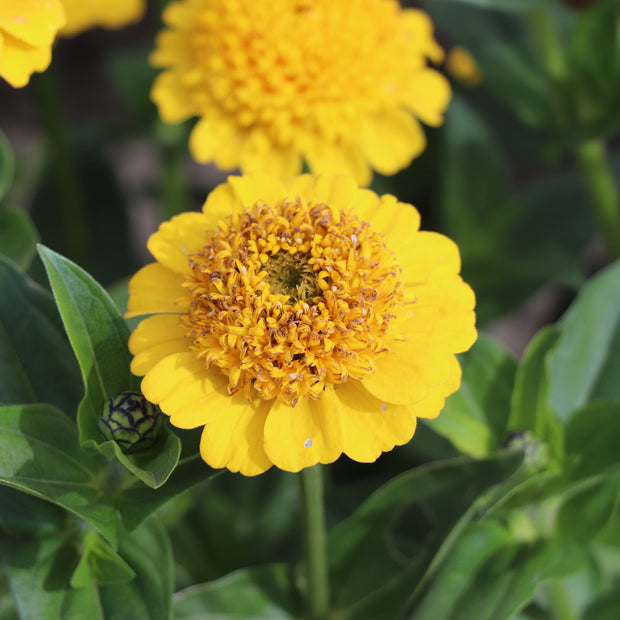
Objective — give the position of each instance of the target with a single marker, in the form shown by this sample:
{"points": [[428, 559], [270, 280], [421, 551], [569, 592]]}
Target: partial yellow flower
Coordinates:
{"points": [[299, 320], [461, 65], [85, 14], [339, 84], [27, 31]]}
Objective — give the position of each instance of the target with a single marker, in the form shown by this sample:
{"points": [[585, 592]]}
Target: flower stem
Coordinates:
{"points": [[599, 178], [311, 480], [549, 46], [68, 194]]}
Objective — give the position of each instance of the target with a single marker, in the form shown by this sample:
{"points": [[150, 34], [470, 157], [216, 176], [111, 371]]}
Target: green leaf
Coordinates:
{"points": [[97, 334], [23, 514], [380, 554], [40, 454], [7, 165], [591, 439], [39, 571], [530, 407], [135, 503], [99, 338], [588, 509], [149, 595], [501, 578], [18, 236], [595, 69], [475, 418], [584, 365], [36, 362], [263, 592], [100, 563]]}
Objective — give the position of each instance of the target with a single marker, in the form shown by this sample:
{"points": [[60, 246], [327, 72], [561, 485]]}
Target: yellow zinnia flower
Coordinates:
{"points": [[85, 14], [461, 65], [340, 84], [296, 321], [27, 31]]}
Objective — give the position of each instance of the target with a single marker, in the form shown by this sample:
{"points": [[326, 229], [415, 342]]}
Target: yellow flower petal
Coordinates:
{"points": [[414, 367], [338, 191], [443, 312], [223, 201], [19, 60], [309, 433], [154, 330], [146, 359], [171, 96], [428, 254], [257, 154], [326, 158], [186, 391], [397, 220], [235, 440], [430, 407], [428, 96], [82, 15], [155, 289], [31, 21], [391, 140], [213, 139], [254, 187], [371, 426], [178, 239], [301, 185]]}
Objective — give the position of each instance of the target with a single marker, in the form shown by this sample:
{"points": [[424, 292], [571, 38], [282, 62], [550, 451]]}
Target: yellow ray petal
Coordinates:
{"points": [[427, 96], [432, 405], [235, 439], [328, 158], [391, 140], [32, 21], [428, 253], [154, 330], [405, 375], [156, 289], [397, 220], [186, 391], [172, 97], [178, 239], [19, 60], [309, 433], [370, 426], [254, 187]]}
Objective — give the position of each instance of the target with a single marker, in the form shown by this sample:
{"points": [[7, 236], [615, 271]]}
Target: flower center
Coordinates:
{"points": [[288, 297], [292, 275]]}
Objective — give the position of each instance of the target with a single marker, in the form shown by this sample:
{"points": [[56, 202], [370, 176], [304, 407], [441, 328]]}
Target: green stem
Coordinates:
{"points": [[549, 46], [315, 542], [560, 605], [68, 196], [599, 178], [174, 194]]}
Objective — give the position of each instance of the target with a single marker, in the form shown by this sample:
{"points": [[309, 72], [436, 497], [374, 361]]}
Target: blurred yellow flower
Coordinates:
{"points": [[299, 320], [341, 84], [27, 31], [461, 65], [85, 14]]}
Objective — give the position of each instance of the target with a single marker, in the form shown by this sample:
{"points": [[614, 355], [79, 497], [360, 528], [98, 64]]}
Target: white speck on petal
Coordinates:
{"points": [[383, 406], [20, 19], [307, 443]]}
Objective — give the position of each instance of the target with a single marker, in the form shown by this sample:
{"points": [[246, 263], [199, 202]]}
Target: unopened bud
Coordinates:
{"points": [[131, 421]]}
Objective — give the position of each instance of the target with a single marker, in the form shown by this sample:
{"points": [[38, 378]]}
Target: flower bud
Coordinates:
{"points": [[131, 421]]}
